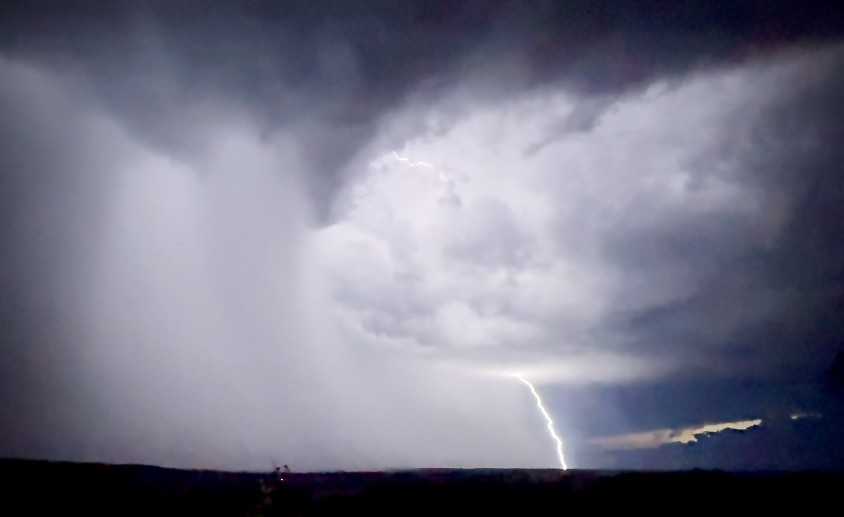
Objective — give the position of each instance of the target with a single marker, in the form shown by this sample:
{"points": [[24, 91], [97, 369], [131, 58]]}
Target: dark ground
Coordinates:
{"points": [[43, 488]]}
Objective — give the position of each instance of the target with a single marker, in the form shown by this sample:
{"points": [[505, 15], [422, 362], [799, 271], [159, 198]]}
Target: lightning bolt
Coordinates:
{"points": [[413, 164], [550, 423], [443, 177]]}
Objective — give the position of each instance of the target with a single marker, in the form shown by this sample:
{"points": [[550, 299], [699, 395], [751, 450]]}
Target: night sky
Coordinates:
{"points": [[327, 233]]}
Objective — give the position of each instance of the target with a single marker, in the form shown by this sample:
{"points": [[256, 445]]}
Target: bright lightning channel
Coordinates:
{"points": [[443, 177], [413, 164], [550, 423]]}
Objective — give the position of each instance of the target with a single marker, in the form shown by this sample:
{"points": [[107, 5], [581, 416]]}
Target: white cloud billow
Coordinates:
{"points": [[494, 255]]}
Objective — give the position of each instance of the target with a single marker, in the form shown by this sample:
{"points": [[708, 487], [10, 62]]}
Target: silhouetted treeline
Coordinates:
{"points": [[59, 488]]}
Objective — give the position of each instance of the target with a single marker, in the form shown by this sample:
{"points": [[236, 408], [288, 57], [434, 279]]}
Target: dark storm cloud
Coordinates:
{"points": [[783, 292], [327, 74], [329, 68]]}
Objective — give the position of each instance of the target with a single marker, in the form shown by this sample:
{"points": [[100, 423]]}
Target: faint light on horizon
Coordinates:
{"points": [[690, 435], [801, 416], [658, 437]]}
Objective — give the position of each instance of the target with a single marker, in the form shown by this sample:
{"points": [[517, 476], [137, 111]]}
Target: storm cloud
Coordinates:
{"points": [[324, 233]]}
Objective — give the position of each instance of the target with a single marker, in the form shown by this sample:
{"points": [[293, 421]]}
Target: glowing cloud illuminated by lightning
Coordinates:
{"points": [[553, 433]]}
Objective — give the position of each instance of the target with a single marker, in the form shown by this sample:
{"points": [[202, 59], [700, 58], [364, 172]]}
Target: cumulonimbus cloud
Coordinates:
{"points": [[201, 259]]}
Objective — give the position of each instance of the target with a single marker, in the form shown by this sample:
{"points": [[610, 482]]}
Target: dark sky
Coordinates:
{"points": [[238, 232]]}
